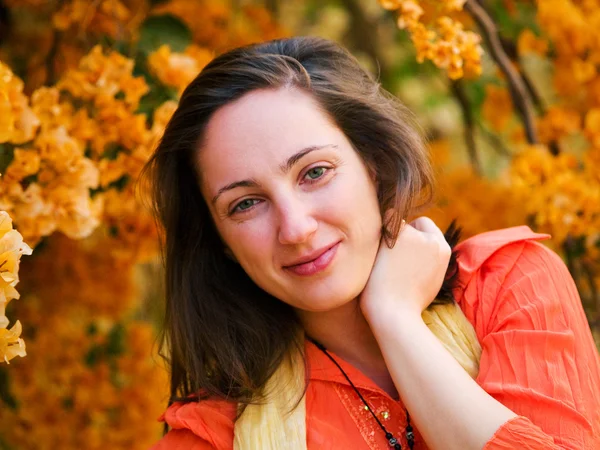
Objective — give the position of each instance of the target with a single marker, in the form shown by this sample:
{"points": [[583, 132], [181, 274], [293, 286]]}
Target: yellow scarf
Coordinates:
{"points": [[271, 426]]}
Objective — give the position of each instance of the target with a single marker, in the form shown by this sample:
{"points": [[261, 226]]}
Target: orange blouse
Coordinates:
{"points": [[538, 359]]}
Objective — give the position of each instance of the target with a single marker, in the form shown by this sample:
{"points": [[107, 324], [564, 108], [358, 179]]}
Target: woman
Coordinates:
{"points": [[304, 312]]}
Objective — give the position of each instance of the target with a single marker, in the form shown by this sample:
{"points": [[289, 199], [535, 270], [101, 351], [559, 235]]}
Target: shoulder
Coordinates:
{"points": [[491, 263], [206, 424], [482, 249]]}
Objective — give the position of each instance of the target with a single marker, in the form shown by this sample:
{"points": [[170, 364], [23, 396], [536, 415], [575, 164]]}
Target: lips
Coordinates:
{"points": [[314, 262], [311, 256]]}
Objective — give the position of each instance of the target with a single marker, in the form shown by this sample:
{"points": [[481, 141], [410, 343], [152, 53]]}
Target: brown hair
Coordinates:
{"points": [[223, 335]]}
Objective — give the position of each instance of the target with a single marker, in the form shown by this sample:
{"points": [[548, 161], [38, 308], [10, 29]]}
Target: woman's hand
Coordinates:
{"points": [[406, 278]]}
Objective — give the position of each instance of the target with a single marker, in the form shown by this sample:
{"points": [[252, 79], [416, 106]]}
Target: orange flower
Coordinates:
{"points": [[530, 43], [178, 69], [498, 107], [557, 123], [592, 127], [446, 44], [11, 344], [104, 75], [18, 123], [24, 163], [11, 249]]}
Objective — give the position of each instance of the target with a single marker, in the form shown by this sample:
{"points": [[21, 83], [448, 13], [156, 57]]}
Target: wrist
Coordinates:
{"points": [[397, 314]]}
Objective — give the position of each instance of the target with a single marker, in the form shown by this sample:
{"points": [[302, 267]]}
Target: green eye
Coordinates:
{"points": [[245, 204], [315, 172]]}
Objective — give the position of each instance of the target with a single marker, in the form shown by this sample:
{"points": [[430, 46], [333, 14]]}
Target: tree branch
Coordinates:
{"points": [[496, 143], [519, 92], [363, 35], [469, 124]]}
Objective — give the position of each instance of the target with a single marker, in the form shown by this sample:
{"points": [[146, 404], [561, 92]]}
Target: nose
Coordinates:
{"points": [[296, 223]]}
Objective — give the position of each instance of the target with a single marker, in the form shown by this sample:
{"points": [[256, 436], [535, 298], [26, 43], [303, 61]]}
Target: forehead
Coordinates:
{"points": [[265, 126]]}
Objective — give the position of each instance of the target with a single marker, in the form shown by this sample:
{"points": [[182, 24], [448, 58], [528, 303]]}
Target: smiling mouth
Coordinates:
{"points": [[315, 265]]}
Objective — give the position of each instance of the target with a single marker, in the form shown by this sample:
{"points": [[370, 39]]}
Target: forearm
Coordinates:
{"points": [[449, 408]]}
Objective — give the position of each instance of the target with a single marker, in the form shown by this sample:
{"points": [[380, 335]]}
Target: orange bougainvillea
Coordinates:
{"points": [[75, 133], [178, 69], [86, 89], [11, 249], [445, 42], [549, 177]]}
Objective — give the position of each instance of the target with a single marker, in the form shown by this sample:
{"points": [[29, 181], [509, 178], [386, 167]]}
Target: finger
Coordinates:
{"points": [[426, 225]]}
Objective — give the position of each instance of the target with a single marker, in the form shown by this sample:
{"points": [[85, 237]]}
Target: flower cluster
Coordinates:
{"points": [[558, 193], [11, 249], [445, 42], [573, 28], [479, 204], [71, 154], [18, 123], [222, 26], [103, 17], [88, 362], [178, 69], [85, 387]]}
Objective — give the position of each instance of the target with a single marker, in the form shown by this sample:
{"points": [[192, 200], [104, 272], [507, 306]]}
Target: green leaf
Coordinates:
{"points": [[93, 356], [92, 329], [7, 153], [115, 345], [164, 29], [120, 184], [157, 94], [511, 25], [111, 151], [6, 395], [68, 403]]}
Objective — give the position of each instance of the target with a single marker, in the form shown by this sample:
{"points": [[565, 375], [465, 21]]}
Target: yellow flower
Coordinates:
{"points": [[25, 162], [11, 344], [592, 127], [530, 43], [454, 5], [104, 75], [446, 44], [11, 249], [178, 69], [46, 104], [112, 169], [77, 215], [557, 123], [71, 12], [18, 123], [391, 4], [58, 149], [498, 107]]}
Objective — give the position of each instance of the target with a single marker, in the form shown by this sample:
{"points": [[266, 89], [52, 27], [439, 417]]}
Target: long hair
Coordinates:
{"points": [[224, 336]]}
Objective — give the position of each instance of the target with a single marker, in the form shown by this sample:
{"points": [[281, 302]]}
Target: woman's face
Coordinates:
{"points": [[291, 199]]}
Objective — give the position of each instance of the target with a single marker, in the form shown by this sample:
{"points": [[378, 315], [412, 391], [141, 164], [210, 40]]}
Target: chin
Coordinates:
{"points": [[326, 301]]}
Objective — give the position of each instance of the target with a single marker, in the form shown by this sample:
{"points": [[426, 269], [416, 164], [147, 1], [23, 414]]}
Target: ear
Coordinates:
{"points": [[230, 254]]}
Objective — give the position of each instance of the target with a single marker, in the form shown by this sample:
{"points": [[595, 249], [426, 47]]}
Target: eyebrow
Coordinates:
{"points": [[284, 168]]}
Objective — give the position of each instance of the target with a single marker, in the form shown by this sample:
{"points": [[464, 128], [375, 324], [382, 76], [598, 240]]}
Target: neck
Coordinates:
{"points": [[346, 332]]}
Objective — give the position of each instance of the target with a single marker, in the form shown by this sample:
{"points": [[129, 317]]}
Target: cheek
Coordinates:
{"points": [[355, 204], [251, 243]]}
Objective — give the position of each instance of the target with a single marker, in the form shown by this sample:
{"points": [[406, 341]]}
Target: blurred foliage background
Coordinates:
{"points": [[507, 91]]}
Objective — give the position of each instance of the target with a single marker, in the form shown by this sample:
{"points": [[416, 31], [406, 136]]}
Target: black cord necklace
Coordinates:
{"points": [[392, 441]]}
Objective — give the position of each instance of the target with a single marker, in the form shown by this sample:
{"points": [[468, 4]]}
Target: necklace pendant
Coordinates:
{"points": [[394, 443]]}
